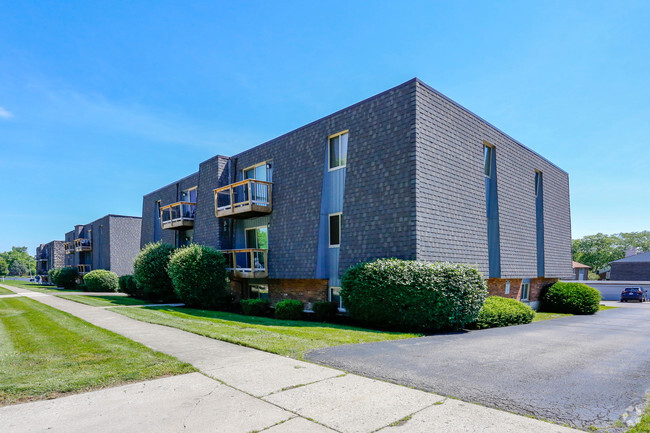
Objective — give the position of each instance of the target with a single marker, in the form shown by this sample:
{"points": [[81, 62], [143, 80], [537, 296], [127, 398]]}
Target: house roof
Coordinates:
{"points": [[638, 258], [580, 265]]}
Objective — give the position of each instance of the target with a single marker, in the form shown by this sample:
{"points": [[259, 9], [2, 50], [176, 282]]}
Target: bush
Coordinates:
{"points": [[324, 311], [574, 298], [67, 278], [127, 284], [199, 277], [150, 272], [498, 311], [82, 287], [413, 296], [254, 307], [289, 309], [101, 280], [54, 274]]}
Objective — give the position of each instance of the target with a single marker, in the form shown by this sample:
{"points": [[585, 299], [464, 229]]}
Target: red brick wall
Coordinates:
{"points": [[303, 290], [497, 287]]}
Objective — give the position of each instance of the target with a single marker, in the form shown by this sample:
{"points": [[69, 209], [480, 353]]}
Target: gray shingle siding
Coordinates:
{"points": [[633, 271], [124, 235], [208, 229]]}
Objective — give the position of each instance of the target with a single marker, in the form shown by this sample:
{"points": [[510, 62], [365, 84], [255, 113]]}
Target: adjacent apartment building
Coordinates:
{"points": [[407, 173], [110, 243], [49, 256]]}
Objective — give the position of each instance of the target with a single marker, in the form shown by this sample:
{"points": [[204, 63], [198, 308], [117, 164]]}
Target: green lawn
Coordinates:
{"points": [[4, 291], [35, 287], [548, 316], [284, 337], [105, 301], [45, 352]]}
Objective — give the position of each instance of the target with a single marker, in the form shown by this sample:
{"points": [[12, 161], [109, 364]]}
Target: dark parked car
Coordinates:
{"points": [[633, 294]]}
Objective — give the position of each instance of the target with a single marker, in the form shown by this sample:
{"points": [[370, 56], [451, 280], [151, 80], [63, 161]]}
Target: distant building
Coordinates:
{"points": [[634, 267], [49, 256], [110, 243], [407, 173], [580, 271]]}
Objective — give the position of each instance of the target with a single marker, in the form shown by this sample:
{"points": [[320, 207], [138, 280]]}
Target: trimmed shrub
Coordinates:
{"points": [[54, 274], [67, 278], [82, 287], [199, 277], [254, 307], [101, 280], [324, 311], [150, 272], [289, 309], [498, 311], [127, 284], [574, 298], [413, 296]]}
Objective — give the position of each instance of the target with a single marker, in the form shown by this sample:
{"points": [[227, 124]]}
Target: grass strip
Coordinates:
{"points": [[284, 337], [45, 352], [105, 301], [43, 288]]}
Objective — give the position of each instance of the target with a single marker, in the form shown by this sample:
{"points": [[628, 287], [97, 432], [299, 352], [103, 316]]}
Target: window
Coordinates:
{"points": [[335, 229], [338, 150], [261, 171], [525, 291], [335, 297], [507, 287], [259, 291], [487, 160], [537, 182]]}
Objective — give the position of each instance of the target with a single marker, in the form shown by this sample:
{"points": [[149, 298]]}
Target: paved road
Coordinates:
{"points": [[582, 370]]}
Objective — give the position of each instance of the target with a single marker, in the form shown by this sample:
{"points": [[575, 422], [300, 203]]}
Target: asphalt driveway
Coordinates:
{"points": [[582, 370]]}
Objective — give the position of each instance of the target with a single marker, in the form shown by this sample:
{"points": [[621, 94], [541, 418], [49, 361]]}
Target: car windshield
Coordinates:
{"points": [[632, 289]]}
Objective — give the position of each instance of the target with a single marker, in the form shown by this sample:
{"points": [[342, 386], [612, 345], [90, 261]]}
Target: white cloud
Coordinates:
{"points": [[5, 114]]}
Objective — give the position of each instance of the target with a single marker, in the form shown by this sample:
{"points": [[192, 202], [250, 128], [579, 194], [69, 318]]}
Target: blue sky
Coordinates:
{"points": [[102, 102]]}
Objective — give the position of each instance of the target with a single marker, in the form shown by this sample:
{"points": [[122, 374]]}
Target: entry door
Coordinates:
{"points": [[257, 238]]}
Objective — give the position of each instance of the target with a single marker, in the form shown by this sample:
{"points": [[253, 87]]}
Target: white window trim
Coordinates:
{"points": [[507, 289], [527, 298], [329, 298], [338, 134], [329, 229]]}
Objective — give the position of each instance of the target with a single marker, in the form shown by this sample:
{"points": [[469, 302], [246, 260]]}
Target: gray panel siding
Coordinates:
{"points": [[451, 218]]}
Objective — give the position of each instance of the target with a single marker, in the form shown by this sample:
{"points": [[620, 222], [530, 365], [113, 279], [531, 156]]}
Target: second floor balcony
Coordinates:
{"points": [[68, 247], [83, 269], [178, 215], [244, 199], [247, 263], [82, 245]]}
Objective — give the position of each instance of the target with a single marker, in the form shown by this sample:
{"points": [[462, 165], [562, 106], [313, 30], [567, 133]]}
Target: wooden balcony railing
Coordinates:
{"points": [[83, 269], [243, 199], [81, 245], [68, 247], [247, 263], [178, 215]]}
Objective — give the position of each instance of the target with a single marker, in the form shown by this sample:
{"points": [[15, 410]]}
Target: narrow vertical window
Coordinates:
{"points": [[539, 221], [487, 160], [492, 210], [537, 176], [335, 297], [335, 230], [525, 291], [338, 150]]}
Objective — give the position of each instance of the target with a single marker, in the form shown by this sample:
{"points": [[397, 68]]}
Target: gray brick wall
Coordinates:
{"points": [[451, 218], [167, 195], [124, 240]]}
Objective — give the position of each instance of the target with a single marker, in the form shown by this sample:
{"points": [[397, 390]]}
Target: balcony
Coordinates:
{"points": [[83, 269], [81, 245], [244, 199], [68, 247], [247, 263], [178, 215]]}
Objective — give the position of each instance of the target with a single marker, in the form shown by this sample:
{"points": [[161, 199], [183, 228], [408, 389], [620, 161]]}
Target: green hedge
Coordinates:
{"points": [[128, 284], [574, 298], [54, 275], [150, 272], [413, 296], [67, 278], [498, 311], [289, 309], [199, 277], [101, 280], [324, 311], [255, 307]]}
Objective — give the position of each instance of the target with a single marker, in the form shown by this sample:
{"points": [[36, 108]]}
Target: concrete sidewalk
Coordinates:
{"points": [[253, 391]]}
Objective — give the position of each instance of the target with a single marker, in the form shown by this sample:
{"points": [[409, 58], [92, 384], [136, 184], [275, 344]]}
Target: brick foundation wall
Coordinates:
{"points": [[497, 287], [305, 290]]}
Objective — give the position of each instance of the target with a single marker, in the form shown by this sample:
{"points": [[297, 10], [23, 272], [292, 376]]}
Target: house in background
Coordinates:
{"points": [[49, 256], [634, 267], [581, 272], [110, 243], [407, 173]]}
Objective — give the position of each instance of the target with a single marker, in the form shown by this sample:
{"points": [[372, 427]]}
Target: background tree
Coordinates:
{"points": [[20, 255], [18, 269], [600, 249], [4, 267]]}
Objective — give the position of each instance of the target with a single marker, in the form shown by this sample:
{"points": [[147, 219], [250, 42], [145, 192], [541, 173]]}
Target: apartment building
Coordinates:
{"points": [[49, 256], [110, 243], [407, 173]]}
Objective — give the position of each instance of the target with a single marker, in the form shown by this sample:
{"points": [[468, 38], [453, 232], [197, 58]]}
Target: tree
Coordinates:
{"points": [[18, 269], [20, 255], [4, 267], [600, 249]]}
